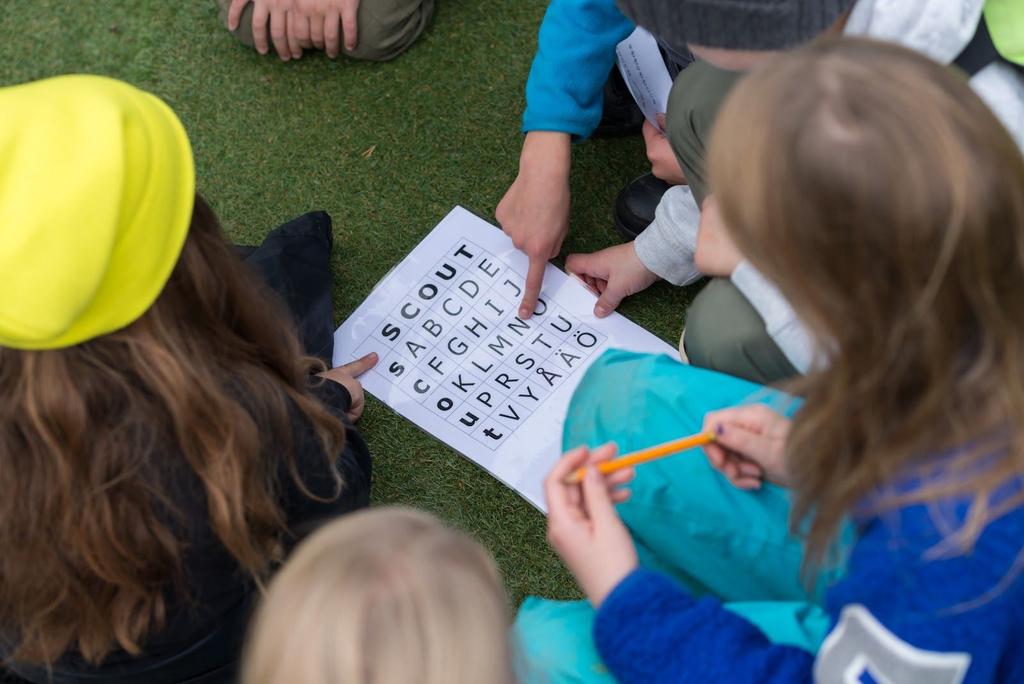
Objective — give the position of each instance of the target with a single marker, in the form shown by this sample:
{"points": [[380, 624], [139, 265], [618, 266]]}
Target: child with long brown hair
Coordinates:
{"points": [[162, 441], [898, 237], [384, 596]]}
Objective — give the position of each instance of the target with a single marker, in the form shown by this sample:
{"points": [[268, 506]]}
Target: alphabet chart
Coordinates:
{"points": [[456, 359]]}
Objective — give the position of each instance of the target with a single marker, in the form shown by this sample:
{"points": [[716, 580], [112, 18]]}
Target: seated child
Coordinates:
{"points": [[385, 596], [162, 441], [876, 534], [566, 93], [376, 30], [738, 323]]}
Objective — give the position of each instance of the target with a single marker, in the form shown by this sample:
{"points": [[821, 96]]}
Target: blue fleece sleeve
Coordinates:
{"points": [[650, 630], [910, 610], [575, 53]]}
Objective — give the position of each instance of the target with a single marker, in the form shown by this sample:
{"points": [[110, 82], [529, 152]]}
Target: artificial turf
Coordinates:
{"points": [[387, 150]]}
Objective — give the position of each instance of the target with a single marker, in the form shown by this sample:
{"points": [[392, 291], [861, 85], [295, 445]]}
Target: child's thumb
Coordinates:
{"points": [[596, 499], [585, 264], [609, 300]]}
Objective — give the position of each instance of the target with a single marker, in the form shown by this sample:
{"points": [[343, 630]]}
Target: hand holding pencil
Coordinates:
{"points": [[746, 443], [750, 445], [583, 526], [643, 456]]}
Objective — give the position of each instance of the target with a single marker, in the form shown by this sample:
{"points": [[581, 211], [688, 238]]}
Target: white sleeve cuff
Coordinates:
{"points": [[668, 245], [781, 322]]}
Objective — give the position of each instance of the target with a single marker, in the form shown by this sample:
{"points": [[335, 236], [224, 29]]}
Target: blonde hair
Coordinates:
{"points": [[384, 596], [886, 201]]}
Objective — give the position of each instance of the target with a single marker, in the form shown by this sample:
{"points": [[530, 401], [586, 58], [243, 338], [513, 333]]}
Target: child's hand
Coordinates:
{"points": [[750, 444], [716, 254], [276, 14], [614, 273], [535, 210], [323, 23], [583, 526], [664, 164], [346, 377]]}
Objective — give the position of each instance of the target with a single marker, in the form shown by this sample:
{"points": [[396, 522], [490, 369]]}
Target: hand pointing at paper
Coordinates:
{"points": [[535, 210], [346, 377]]}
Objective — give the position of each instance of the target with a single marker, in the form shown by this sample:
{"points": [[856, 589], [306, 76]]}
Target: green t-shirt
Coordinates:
{"points": [[1005, 19]]}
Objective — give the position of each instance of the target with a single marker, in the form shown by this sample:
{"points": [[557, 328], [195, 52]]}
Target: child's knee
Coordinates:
{"points": [[637, 400], [726, 334], [387, 28], [605, 394]]}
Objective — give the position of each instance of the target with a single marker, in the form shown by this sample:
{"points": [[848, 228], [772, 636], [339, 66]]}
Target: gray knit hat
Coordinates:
{"points": [[735, 24]]}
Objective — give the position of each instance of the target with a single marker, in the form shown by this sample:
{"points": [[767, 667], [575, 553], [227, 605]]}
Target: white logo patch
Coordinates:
{"points": [[861, 645]]}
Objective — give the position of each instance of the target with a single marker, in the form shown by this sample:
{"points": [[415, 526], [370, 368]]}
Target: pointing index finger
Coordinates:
{"points": [[534, 281], [361, 365]]}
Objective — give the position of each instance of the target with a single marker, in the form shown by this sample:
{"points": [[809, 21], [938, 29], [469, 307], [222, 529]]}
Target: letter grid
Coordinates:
{"points": [[456, 345]]}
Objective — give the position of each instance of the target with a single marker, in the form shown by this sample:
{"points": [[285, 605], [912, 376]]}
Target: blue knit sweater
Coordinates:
{"points": [[899, 615], [575, 53]]}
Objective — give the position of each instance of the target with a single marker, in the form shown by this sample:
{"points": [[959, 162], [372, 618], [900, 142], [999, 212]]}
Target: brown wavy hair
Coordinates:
{"points": [[91, 534], [886, 201]]}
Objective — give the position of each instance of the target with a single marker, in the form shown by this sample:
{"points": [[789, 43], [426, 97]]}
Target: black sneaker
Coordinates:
{"points": [[635, 205], [621, 116]]}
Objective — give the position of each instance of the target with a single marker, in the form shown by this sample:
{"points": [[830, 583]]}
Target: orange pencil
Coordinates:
{"points": [[645, 455]]}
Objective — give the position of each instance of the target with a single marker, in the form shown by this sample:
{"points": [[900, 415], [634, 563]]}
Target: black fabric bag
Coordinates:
{"points": [[295, 262]]}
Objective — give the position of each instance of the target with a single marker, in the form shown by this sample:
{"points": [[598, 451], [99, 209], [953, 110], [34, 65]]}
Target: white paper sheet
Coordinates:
{"points": [[456, 360], [644, 71]]}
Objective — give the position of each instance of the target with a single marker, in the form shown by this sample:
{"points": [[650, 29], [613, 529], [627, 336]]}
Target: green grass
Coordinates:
{"points": [[274, 140]]}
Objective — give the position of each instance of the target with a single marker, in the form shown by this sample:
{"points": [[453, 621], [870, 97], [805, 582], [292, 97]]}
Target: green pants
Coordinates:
{"points": [[686, 520], [697, 94], [386, 27], [723, 331]]}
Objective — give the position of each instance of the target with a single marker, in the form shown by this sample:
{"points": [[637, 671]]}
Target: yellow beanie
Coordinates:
{"points": [[96, 192]]}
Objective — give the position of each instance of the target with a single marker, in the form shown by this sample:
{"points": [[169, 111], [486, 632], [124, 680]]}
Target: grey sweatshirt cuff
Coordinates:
{"points": [[780, 320], [668, 245]]}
